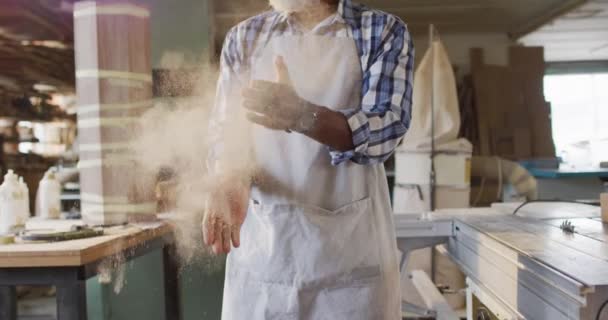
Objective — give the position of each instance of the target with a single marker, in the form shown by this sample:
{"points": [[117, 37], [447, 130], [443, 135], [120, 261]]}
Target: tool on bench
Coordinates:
{"points": [[77, 232]]}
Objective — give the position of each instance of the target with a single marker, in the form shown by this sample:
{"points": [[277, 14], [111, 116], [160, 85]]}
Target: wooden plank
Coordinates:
{"points": [[476, 58], [528, 63], [77, 252], [500, 109], [577, 265]]}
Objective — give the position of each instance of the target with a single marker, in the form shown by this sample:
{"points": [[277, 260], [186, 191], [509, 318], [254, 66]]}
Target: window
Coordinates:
{"points": [[579, 111]]}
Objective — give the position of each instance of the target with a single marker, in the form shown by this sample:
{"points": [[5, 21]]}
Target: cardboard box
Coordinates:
{"points": [[604, 202]]}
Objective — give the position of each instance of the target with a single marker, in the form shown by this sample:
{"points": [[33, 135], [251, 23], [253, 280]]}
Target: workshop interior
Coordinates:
{"points": [[494, 167]]}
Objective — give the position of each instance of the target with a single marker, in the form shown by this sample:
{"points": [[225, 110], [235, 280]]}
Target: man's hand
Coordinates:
{"points": [[276, 105], [225, 211]]}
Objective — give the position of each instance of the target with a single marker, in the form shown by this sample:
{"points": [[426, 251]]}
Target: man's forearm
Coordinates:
{"points": [[331, 129]]}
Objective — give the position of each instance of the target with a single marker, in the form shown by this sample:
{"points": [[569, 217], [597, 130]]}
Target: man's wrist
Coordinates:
{"points": [[307, 120]]}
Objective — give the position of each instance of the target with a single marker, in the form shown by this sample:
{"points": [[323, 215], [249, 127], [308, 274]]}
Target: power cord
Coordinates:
{"points": [[599, 312], [547, 201]]}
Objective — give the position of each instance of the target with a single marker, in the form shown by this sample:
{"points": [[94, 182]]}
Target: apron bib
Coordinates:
{"points": [[315, 243]]}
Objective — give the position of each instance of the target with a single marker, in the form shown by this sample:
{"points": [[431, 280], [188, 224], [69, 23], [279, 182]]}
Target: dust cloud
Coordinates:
{"points": [[173, 142]]}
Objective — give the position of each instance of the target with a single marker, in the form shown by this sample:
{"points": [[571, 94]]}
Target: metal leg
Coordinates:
{"points": [[172, 308], [431, 296], [72, 301], [417, 310], [8, 303]]}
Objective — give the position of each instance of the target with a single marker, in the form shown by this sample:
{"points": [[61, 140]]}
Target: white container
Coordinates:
{"points": [[451, 168], [415, 199], [25, 202], [48, 202], [452, 177], [11, 199]]}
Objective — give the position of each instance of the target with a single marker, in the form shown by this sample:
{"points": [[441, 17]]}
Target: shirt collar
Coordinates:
{"points": [[346, 13], [340, 15]]}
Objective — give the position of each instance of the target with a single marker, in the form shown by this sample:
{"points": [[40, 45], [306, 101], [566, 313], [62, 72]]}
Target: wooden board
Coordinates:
{"points": [[513, 118], [78, 252]]}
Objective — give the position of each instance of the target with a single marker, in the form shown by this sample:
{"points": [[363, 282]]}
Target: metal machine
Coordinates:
{"points": [[541, 261]]}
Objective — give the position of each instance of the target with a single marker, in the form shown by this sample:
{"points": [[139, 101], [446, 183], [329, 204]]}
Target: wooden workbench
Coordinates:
{"points": [[79, 252], [68, 264]]}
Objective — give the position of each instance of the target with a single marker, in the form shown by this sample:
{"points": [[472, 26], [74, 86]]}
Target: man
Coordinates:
{"points": [[328, 87]]}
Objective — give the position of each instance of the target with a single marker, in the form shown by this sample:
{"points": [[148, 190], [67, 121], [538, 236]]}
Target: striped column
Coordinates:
{"points": [[114, 87]]}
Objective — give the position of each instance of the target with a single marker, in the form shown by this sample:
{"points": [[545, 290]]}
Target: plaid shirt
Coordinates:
{"points": [[387, 59]]}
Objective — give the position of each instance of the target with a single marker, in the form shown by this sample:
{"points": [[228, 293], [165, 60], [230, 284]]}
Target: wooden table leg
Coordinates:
{"points": [[172, 307], [8, 303], [72, 301]]}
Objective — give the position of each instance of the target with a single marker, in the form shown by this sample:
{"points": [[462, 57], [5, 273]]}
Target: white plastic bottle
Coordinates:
{"points": [[25, 203], [49, 193], [10, 202]]}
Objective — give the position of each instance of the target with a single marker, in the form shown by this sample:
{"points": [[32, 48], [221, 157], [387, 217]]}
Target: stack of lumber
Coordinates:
{"points": [[504, 113], [513, 120]]}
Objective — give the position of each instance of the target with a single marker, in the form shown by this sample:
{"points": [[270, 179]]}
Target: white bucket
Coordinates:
{"points": [[452, 166]]}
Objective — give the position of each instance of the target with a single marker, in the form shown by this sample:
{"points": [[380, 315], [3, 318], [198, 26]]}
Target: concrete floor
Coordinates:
{"points": [[37, 309]]}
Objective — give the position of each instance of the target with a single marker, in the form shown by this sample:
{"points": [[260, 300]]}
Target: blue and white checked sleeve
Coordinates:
{"points": [[383, 118]]}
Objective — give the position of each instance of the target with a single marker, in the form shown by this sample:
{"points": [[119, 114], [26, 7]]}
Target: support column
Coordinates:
{"points": [[171, 269], [114, 88]]}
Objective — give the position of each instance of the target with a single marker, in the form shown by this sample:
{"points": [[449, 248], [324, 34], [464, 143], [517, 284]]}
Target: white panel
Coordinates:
{"points": [[451, 169]]}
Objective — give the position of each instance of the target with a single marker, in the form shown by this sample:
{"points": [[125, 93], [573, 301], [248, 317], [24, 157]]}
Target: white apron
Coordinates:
{"points": [[318, 241]]}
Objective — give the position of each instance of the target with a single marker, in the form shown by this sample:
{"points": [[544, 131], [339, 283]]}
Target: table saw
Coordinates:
{"points": [[537, 261]]}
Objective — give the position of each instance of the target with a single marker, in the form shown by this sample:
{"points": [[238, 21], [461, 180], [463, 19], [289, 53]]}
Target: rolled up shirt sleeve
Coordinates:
{"points": [[383, 118]]}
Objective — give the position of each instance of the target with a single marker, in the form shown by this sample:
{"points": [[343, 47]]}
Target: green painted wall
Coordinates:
{"points": [[202, 285], [142, 296], [182, 26]]}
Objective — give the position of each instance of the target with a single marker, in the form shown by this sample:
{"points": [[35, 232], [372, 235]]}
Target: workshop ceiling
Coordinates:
{"points": [[35, 45], [513, 17], [36, 20], [581, 34]]}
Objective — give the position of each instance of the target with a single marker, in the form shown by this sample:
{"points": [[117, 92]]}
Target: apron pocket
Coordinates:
{"points": [[304, 245], [325, 263]]}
